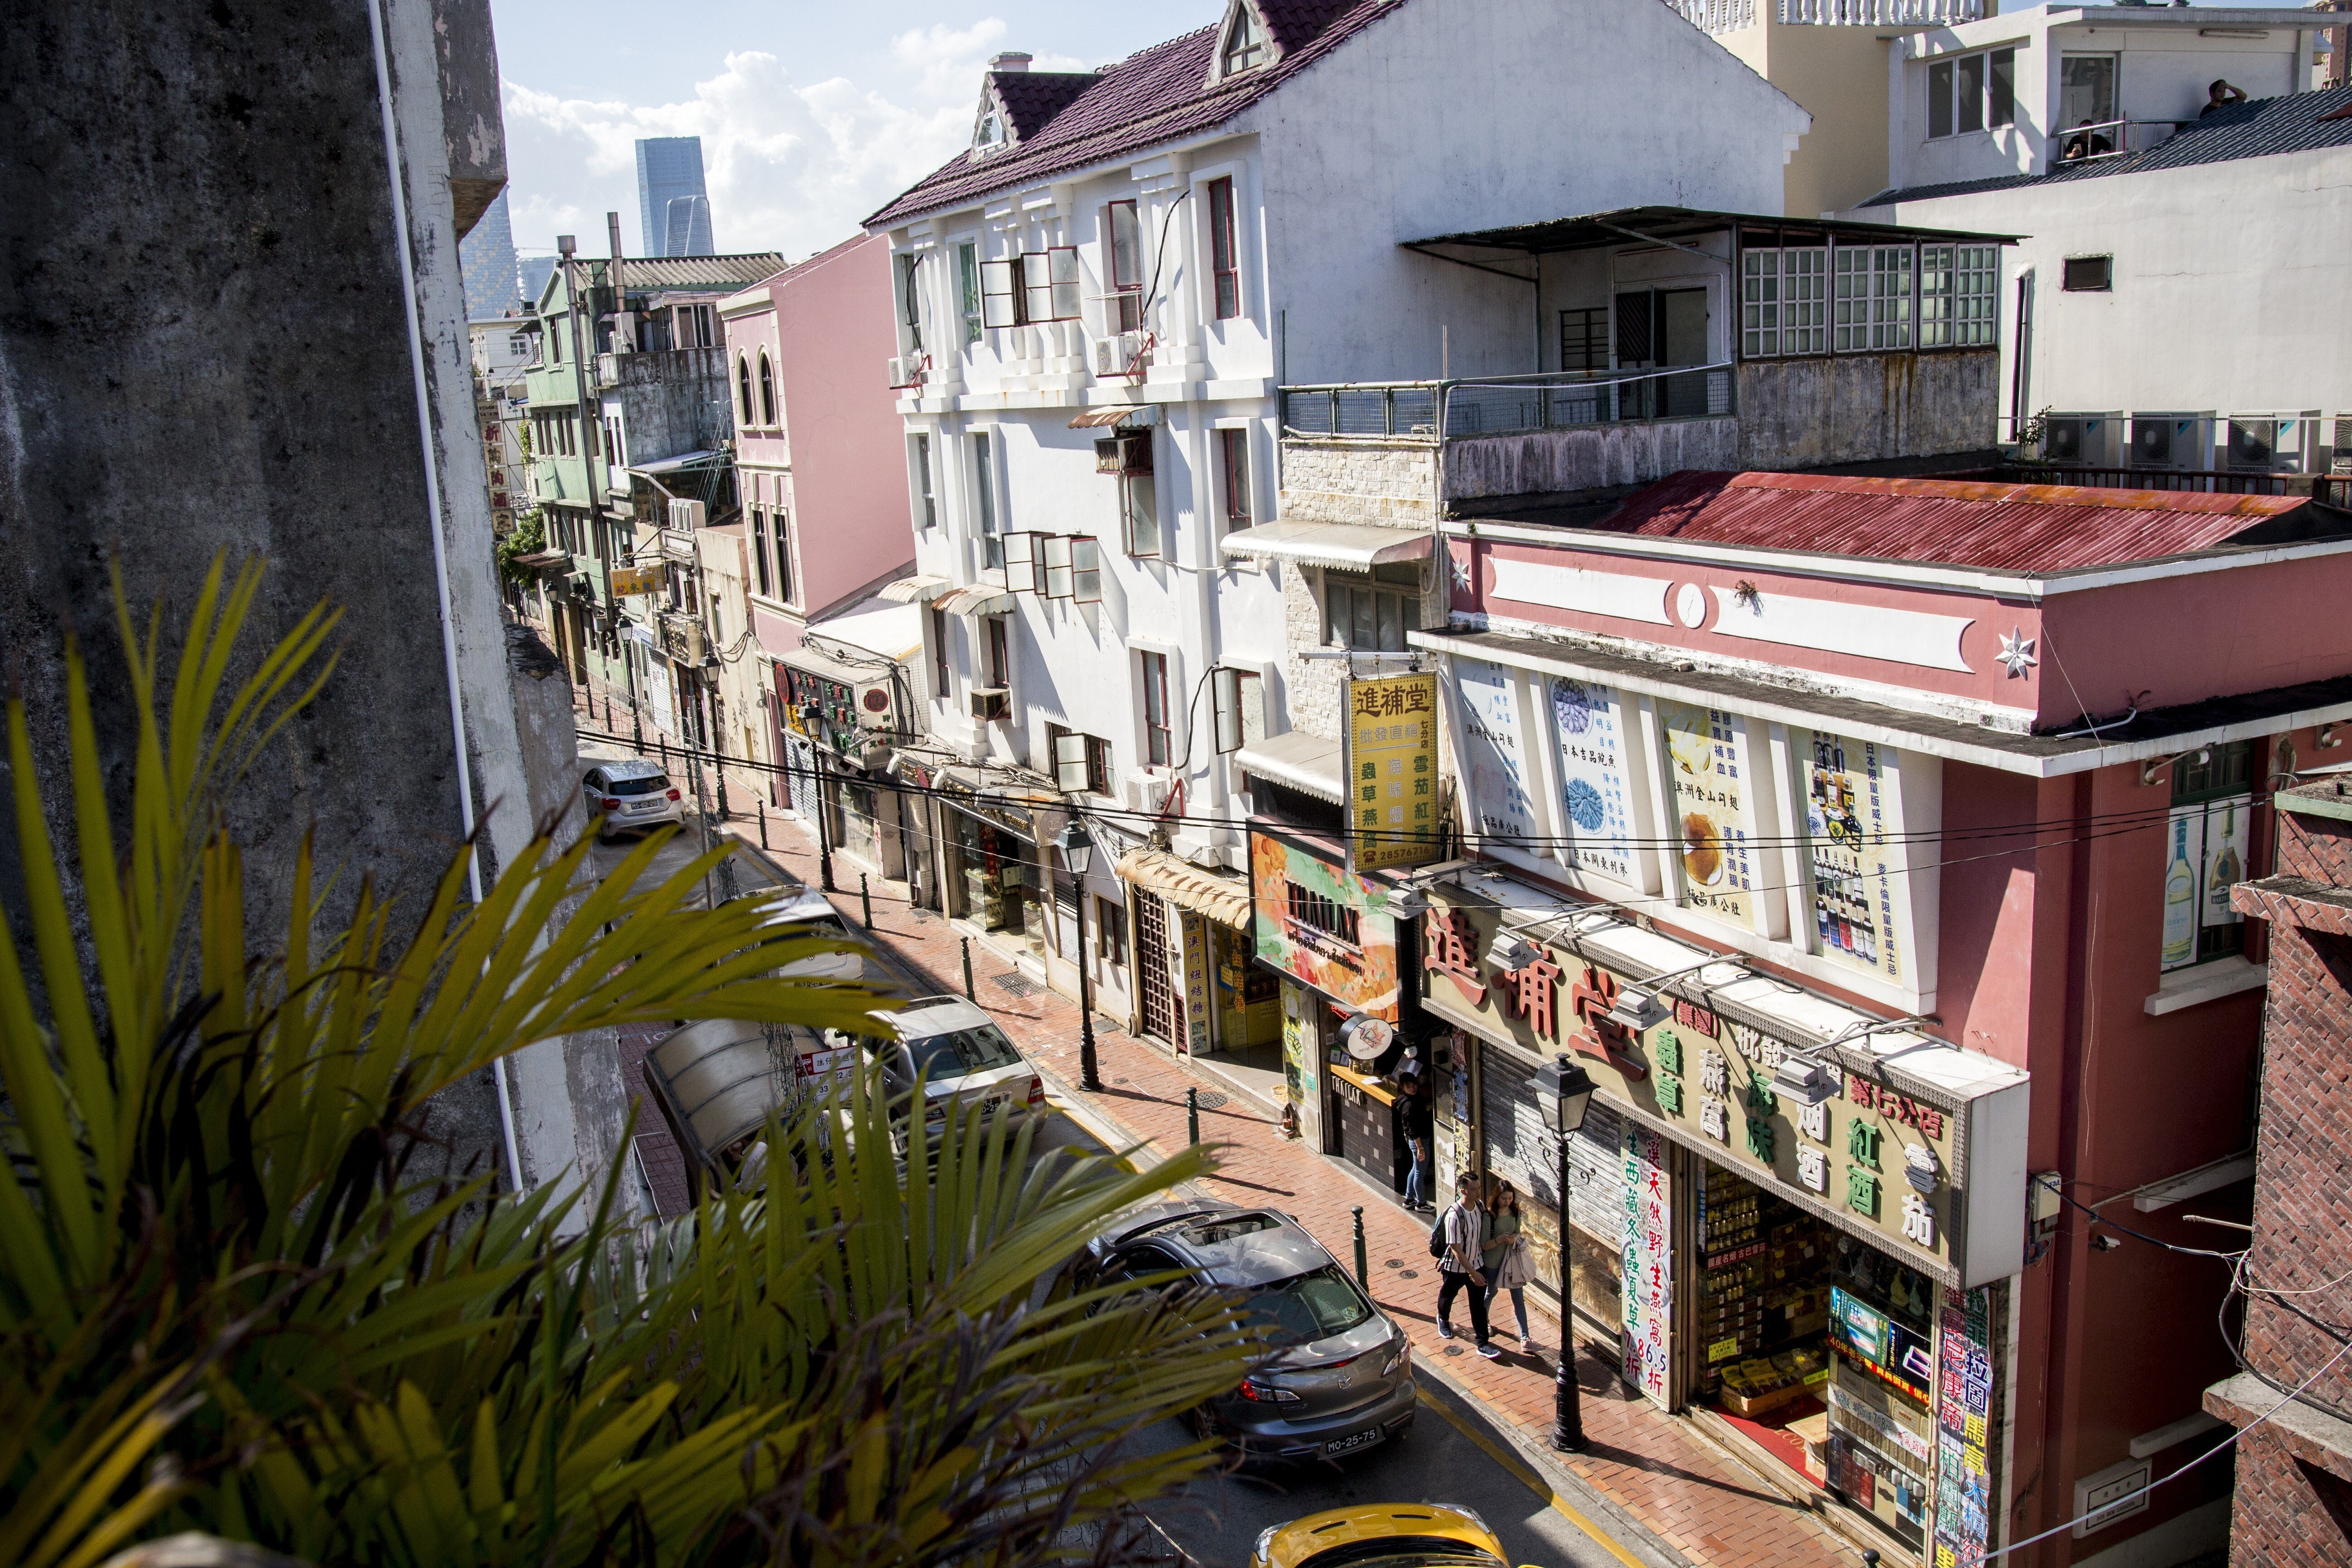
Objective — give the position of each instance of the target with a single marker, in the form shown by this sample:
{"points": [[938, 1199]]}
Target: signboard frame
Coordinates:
{"points": [[1390, 779]]}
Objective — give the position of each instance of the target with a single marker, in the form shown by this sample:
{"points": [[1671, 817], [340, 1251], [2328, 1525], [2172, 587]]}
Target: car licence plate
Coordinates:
{"points": [[1349, 1445]]}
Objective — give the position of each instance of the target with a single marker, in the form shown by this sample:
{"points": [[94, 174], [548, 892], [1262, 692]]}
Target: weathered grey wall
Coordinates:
{"points": [[1588, 458], [674, 400], [1862, 408], [203, 348]]}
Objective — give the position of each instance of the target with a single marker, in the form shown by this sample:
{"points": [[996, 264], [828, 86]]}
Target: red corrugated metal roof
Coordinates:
{"points": [[2031, 528]]}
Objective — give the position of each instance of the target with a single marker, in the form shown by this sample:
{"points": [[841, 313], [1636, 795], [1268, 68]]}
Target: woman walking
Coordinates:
{"points": [[1505, 1255]]}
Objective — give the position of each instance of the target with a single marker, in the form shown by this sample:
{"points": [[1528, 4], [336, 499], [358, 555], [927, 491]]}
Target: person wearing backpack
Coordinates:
{"points": [[1458, 1242]]}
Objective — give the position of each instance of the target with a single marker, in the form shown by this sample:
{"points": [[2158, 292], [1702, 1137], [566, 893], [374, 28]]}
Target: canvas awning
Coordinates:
{"points": [[721, 1079], [914, 590], [809, 661], [980, 599], [1298, 760], [539, 561], [1350, 546], [1114, 413], [1225, 899]]}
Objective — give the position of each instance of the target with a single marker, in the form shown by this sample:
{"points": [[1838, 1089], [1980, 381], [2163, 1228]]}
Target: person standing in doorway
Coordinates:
{"points": [[1462, 1230], [1505, 1255], [1417, 1115]]}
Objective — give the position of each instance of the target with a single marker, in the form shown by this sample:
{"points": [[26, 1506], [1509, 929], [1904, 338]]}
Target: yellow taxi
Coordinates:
{"points": [[1385, 1535]]}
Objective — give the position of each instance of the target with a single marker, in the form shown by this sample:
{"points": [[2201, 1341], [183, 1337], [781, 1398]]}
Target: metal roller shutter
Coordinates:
{"points": [[1521, 1150]]}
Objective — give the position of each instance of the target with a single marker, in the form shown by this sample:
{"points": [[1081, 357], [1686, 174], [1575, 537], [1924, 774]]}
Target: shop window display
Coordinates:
{"points": [[993, 881]]}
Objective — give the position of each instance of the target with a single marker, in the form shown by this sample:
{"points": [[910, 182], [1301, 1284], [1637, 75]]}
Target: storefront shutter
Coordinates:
{"points": [[1524, 1153]]}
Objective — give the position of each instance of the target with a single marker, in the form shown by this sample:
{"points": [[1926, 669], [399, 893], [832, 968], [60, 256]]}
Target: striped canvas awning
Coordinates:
{"points": [[980, 599], [1225, 899], [914, 590]]}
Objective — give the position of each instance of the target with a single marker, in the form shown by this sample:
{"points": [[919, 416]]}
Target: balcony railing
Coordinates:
{"points": [[2108, 139], [1730, 15], [1502, 405], [2329, 489]]}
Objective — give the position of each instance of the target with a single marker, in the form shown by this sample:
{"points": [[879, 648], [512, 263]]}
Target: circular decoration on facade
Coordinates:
{"points": [[876, 700], [1367, 1037], [1690, 607], [1585, 807]]}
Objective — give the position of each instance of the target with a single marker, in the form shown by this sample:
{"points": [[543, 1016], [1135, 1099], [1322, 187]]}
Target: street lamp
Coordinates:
{"points": [[1077, 848], [1564, 1090]]}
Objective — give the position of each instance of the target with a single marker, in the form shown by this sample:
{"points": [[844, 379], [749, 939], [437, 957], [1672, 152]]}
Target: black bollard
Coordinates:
{"points": [[966, 969], [865, 903], [1193, 1115], [1361, 1265], [763, 825]]}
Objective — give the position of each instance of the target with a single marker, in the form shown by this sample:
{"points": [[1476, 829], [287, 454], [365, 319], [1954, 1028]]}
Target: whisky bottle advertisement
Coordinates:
{"points": [[2180, 891], [2225, 858]]}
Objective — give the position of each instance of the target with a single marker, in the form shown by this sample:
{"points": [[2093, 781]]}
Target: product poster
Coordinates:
{"points": [[1707, 751], [1648, 1301], [2225, 860], [1859, 896], [1588, 727], [1190, 936], [1494, 770], [2204, 856], [1965, 1422], [1389, 757]]}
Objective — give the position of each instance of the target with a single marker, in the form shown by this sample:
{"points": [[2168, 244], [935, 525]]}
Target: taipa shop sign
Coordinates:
{"points": [[1917, 1161]]}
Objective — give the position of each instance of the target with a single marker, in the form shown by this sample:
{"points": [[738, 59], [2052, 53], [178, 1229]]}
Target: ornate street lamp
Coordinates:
{"points": [[1564, 1090], [1077, 848]]}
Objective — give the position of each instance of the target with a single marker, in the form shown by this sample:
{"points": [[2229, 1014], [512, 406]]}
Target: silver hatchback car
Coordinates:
{"points": [[1340, 1375], [632, 795]]}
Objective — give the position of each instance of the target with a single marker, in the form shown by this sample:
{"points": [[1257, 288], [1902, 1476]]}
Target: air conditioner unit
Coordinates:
{"points": [[2083, 440], [686, 515], [2272, 442], [1129, 452], [876, 705], [908, 370], [1148, 791], [1118, 355], [991, 704], [2172, 441]]}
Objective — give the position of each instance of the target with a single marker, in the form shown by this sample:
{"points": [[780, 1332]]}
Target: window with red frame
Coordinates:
{"points": [[1159, 740], [1225, 249], [1126, 267], [1232, 462]]}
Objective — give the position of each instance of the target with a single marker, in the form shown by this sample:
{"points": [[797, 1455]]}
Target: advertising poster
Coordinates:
{"points": [[1649, 1270], [1708, 785], [1964, 1426], [2204, 857], [1860, 899], [1588, 728], [1390, 759], [1495, 772], [1317, 924]]}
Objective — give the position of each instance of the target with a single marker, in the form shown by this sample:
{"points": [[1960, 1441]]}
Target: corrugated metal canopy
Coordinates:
{"points": [[1348, 545], [914, 590], [1114, 413], [2035, 529], [1681, 224], [980, 599], [1303, 762]]}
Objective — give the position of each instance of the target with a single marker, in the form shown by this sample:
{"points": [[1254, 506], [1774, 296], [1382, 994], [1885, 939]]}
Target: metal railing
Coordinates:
{"points": [[1502, 405], [2109, 138], [1730, 15], [2331, 489]]}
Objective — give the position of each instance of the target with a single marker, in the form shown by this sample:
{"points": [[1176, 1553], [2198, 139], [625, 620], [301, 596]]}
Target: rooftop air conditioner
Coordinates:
{"points": [[1118, 355], [686, 516], [2272, 442], [2082, 440], [2172, 441], [876, 705]]}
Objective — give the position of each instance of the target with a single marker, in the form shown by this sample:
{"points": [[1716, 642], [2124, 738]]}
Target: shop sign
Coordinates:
{"points": [[628, 580], [1964, 1423], [1895, 1353], [1649, 1267], [1880, 1159], [1308, 907], [1588, 722], [1494, 752], [1191, 933], [1389, 757], [1709, 781]]}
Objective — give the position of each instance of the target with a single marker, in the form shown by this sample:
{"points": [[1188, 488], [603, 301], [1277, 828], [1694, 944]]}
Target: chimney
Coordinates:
{"points": [[612, 227], [1011, 60]]}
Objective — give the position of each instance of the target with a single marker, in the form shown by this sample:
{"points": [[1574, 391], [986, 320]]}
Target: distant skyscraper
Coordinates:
{"points": [[668, 168], [688, 231], [486, 260], [536, 271]]}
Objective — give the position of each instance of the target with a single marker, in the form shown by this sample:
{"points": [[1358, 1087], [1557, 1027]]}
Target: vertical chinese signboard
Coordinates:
{"points": [[1649, 1267], [1859, 896], [1965, 1422], [1390, 754], [1189, 934], [1494, 762], [1588, 725], [1708, 781]]}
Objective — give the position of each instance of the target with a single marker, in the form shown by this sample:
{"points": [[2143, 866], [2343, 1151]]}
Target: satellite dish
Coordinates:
{"points": [[1367, 1038]]}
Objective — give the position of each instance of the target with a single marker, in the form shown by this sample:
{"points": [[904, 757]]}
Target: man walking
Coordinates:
{"points": [[1462, 1231], [1417, 1114]]}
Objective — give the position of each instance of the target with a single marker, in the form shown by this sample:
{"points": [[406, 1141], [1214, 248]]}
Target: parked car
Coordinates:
{"points": [[804, 912], [632, 797], [1387, 1535], [961, 1056], [1339, 1377]]}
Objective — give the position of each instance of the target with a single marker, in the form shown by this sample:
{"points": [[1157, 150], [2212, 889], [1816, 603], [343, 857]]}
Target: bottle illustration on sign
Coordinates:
{"points": [[2179, 900], [2227, 869]]}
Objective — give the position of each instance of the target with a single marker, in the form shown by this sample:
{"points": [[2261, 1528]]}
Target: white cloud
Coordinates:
{"points": [[791, 167]]}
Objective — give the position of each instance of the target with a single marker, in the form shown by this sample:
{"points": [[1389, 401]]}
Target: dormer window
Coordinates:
{"points": [[1244, 43], [990, 135]]}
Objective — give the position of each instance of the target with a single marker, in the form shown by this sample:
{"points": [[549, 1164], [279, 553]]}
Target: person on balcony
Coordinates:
{"points": [[2222, 95], [2086, 142]]}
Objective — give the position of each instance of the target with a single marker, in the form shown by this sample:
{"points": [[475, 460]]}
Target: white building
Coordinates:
{"points": [[502, 350], [1097, 302], [2175, 301]]}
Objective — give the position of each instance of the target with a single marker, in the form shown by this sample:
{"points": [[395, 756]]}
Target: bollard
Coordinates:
{"points": [[720, 767], [1869, 1559], [763, 825], [1361, 1265], [865, 903], [966, 969], [1193, 1113], [661, 745]]}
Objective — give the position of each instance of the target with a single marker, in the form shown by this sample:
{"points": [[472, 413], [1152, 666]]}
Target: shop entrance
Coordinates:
{"points": [[1818, 1347], [993, 880], [1162, 1006]]}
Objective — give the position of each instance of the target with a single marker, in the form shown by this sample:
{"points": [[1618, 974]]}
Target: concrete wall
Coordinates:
{"points": [[1860, 408], [1359, 479], [1839, 75], [1595, 457], [206, 346], [671, 402], [2222, 272]]}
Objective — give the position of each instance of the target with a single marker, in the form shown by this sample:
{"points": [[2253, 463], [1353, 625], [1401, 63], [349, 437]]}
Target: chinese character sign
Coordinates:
{"points": [[1858, 892], [1965, 1423], [1648, 1271], [1588, 728], [1710, 780], [1389, 757], [1495, 773]]}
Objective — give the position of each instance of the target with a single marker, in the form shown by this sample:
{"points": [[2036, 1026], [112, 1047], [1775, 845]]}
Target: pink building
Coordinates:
{"points": [[820, 455], [1953, 780]]}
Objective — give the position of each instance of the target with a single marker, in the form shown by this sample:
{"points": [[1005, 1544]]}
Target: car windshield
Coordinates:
{"points": [[821, 925], [1404, 1552], [1309, 1307], [960, 1051], [653, 783]]}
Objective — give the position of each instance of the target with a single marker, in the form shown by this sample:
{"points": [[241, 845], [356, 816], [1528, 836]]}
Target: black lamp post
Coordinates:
{"points": [[1564, 1089], [1077, 848]]}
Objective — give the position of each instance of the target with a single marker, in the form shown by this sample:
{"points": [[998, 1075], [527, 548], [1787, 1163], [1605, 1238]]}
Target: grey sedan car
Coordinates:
{"points": [[630, 795], [1338, 1375]]}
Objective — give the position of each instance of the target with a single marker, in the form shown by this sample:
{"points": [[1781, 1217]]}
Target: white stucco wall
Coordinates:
{"points": [[2230, 283]]}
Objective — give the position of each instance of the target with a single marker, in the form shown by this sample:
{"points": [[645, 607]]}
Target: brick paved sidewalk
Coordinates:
{"points": [[1655, 1469]]}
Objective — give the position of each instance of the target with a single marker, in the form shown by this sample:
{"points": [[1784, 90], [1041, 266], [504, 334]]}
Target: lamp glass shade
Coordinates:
{"points": [[1564, 1089], [1078, 847]]}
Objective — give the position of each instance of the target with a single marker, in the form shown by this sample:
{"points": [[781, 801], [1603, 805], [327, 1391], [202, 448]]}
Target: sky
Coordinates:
{"points": [[810, 115]]}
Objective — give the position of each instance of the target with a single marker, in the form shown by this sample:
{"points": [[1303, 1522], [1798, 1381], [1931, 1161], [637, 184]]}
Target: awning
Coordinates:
{"points": [[1225, 899], [1351, 546], [1298, 760], [808, 661], [539, 561], [1114, 413], [914, 590], [980, 599], [722, 1080]]}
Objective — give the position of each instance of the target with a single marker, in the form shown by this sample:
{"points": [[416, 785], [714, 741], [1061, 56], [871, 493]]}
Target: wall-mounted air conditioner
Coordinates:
{"points": [[2180, 442], [991, 704], [686, 516], [1119, 355], [877, 705], [2083, 440], [908, 370], [2282, 442], [1129, 452], [1148, 790]]}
